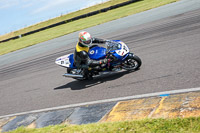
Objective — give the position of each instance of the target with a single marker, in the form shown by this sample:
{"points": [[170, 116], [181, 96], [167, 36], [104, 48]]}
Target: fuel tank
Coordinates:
{"points": [[97, 53]]}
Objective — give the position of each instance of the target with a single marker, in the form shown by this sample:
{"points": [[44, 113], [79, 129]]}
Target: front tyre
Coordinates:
{"points": [[132, 62]]}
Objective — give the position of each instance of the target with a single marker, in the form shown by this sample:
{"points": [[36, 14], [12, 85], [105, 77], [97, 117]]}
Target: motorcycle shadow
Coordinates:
{"points": [[79, 85]]}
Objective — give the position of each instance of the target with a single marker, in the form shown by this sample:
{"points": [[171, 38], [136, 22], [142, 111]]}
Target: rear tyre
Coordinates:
{"points": [[132, 62]]}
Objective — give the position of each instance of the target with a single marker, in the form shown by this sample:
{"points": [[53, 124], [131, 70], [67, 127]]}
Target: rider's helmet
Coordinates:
{"points": [[85, 38]]}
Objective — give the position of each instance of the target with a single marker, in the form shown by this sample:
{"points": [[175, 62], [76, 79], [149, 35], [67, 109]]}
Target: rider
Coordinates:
{"points": [[81, 57]]}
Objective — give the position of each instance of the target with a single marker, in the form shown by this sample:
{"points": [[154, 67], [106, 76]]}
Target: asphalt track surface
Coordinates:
{"points": [[169, 49]]}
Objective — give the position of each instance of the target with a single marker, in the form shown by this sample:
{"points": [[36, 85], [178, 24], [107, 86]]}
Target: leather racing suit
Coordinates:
{"points": [[81, 57]]}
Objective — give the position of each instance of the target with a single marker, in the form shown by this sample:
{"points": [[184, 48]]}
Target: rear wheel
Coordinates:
{"points": [[132, 62]]}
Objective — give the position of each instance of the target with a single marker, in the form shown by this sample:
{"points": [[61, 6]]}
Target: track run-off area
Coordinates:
{"points": [[167, 39]]}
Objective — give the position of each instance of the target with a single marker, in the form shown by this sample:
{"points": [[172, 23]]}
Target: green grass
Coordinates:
{"points": [[61, 18], [64, 29], [179, 125]]}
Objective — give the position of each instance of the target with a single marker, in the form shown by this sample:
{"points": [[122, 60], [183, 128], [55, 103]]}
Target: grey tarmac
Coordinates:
{"points": [[168, 46]]}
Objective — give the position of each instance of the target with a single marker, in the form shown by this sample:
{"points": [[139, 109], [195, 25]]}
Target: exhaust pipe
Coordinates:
{"points": [[73, 75]]}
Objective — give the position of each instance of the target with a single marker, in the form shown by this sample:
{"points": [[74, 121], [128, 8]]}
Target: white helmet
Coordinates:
{"points": [[85, 38]]}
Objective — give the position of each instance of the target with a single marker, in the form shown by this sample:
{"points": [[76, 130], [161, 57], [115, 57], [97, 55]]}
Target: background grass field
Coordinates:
{"points": [[61, 18], [64, 29]]}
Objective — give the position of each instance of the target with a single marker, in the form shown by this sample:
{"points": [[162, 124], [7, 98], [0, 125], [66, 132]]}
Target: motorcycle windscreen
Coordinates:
{"points": [[97, 53]]}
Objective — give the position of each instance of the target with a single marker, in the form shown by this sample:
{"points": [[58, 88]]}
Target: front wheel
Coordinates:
{"points": [[132, 62]]}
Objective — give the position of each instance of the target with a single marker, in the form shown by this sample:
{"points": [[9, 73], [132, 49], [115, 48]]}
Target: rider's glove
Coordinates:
{"points": [[108, 41]]}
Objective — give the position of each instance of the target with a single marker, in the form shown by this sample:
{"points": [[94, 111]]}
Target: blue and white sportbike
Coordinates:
{"points": [[118, 55]]}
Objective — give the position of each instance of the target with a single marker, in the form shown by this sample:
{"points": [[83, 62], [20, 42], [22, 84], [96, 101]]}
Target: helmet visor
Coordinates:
{"points": [[87, 42]]}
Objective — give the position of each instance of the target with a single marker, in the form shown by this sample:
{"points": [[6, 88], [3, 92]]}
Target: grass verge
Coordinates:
{"points": [[61, 18], [61, 30], [181, 125]]}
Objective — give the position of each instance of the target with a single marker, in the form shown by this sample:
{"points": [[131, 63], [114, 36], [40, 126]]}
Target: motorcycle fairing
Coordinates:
{"points": [[66, 61], [121, 52], [71, 60]]}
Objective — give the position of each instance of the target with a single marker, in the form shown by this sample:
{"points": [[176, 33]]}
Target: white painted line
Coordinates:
{"points": [[105, 101]]}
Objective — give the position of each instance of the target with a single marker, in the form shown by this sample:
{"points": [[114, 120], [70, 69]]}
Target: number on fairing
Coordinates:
{"points": [[125, 48], [63, 61]]}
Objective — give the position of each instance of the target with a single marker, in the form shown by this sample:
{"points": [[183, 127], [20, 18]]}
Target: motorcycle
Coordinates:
{"points": [[118, 55]]}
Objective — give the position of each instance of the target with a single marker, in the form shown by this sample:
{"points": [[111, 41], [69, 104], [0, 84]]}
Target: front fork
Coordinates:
{"points": [[129, 55], [126, 57]]}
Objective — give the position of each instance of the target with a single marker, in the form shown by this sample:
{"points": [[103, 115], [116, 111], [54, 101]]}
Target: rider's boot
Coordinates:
{"points": [[87, 75]]}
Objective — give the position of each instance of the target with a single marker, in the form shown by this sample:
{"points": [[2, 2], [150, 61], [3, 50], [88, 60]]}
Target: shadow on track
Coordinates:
{"points": [[78, 85]]}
